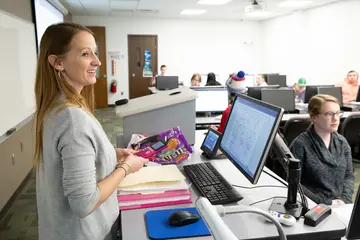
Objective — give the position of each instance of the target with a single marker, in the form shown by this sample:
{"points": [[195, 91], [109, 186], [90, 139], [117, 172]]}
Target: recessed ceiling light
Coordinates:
{"points": [[295, 3], [258, 14], [192, 12], [213, 2]]}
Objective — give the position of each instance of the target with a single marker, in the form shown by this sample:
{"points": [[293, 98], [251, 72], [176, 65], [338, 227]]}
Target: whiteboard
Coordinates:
{"points": [[17, 70]]}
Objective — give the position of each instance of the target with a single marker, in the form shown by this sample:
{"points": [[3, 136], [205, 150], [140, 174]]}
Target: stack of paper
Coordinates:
{"points": [[153, 187]]}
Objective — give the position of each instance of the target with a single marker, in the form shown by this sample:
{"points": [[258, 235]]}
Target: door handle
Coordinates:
{"points": [[133, 75]]}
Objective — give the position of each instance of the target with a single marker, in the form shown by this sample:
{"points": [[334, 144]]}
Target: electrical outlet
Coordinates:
{"points": [[13, 159], [21, 146], [122, 93]]}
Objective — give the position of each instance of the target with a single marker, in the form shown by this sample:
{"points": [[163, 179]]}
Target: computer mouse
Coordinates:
{"points": [[183, 218]]}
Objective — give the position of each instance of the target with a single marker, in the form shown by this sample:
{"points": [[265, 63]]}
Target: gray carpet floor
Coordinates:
{"points": [[20, 221]]}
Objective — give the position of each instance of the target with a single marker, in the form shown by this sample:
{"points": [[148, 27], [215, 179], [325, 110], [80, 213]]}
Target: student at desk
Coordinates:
{"points": [[77, 168], [260, 80], [163, 72], [350, 87], [235, 84], [196, 80], [325, 156], [299, 89], [211, 80]]}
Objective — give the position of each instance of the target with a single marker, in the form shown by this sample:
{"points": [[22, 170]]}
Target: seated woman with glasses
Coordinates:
{"points": [[196, 80], [325, 156]]}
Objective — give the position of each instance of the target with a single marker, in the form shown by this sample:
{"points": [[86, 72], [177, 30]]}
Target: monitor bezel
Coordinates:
{"points": [[274, 129], [353, 231], [338, 89], [206, 150], [217, 89], [309, 88], [259, 88], [279, 90], [358, 95], [173, 79], [282, 78]]}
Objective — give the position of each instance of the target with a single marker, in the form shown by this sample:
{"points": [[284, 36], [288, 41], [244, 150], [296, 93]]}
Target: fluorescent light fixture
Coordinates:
{"points": [[258, 14], [295, 3], [192, 12], [213, 2]]}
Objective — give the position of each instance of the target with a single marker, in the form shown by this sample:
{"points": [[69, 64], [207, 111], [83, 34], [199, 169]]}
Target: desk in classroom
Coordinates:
{"points": [[216, 120], [244, 226]]}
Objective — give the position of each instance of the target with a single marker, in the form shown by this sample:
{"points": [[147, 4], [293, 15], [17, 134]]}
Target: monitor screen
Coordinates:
{"points": [[284, 98], [255, 92], [211, 99], [312, 90], [332, 91], [210, 140], [167, 82], [249, 132], [277, 80]]}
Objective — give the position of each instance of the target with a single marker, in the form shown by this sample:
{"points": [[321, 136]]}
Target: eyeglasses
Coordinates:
{"points": [[331, 115]]}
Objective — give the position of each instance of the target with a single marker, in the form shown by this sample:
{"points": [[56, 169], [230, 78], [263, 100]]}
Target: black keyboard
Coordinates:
{"points": [[211, 184]]}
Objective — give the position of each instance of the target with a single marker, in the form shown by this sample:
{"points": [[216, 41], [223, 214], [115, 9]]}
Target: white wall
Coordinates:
{"points": [[321, 44], [185, 46]]}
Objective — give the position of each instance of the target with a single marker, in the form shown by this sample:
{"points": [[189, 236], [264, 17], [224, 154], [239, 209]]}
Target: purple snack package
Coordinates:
{"points": [[176, 151]]}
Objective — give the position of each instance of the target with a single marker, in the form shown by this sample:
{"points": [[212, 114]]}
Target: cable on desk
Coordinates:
{"points": [[276, 178], [222, 212], [303, 200], [262, 186]]}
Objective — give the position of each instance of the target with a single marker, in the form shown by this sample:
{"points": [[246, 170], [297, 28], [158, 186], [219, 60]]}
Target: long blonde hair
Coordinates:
{"points": [[49, 87]]}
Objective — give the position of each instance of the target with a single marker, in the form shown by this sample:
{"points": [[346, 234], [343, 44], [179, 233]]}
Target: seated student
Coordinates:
{"points": [[299, 89], [350, 87], [196, 80], [211, 80], [325, 156], [260, 80], [163, 72], [235, 84]]}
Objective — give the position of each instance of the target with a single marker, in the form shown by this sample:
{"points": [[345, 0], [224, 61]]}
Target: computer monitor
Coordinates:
{"points": [[332, 91], [167, 82], [255, 92], [284, 98], [312, 90], [277, 80], [249, 132], [353, 230], [267, 75], [211, 99]]}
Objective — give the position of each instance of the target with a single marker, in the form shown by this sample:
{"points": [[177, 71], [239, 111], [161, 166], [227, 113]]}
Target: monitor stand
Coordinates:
{"points": [[280, 205], [217, 156], [290, 205]]}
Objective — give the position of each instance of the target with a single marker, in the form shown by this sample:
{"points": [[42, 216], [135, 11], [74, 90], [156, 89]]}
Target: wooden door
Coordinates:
{"points": [[101, 86], [137, 46]]}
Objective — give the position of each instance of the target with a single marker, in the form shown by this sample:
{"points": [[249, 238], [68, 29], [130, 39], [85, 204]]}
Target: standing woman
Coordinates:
{"points": [[325, 156], [78, 170]]}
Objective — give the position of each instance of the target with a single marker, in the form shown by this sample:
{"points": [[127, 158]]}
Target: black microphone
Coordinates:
{"points": [[294, 176]]}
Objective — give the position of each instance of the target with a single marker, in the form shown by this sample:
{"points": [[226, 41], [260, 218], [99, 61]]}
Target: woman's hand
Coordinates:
{"points": [[134, 163], [122, 153]]}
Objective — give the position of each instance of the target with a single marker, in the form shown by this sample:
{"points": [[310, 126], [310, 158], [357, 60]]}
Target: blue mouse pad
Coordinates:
{"points": [[158, 226]]}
